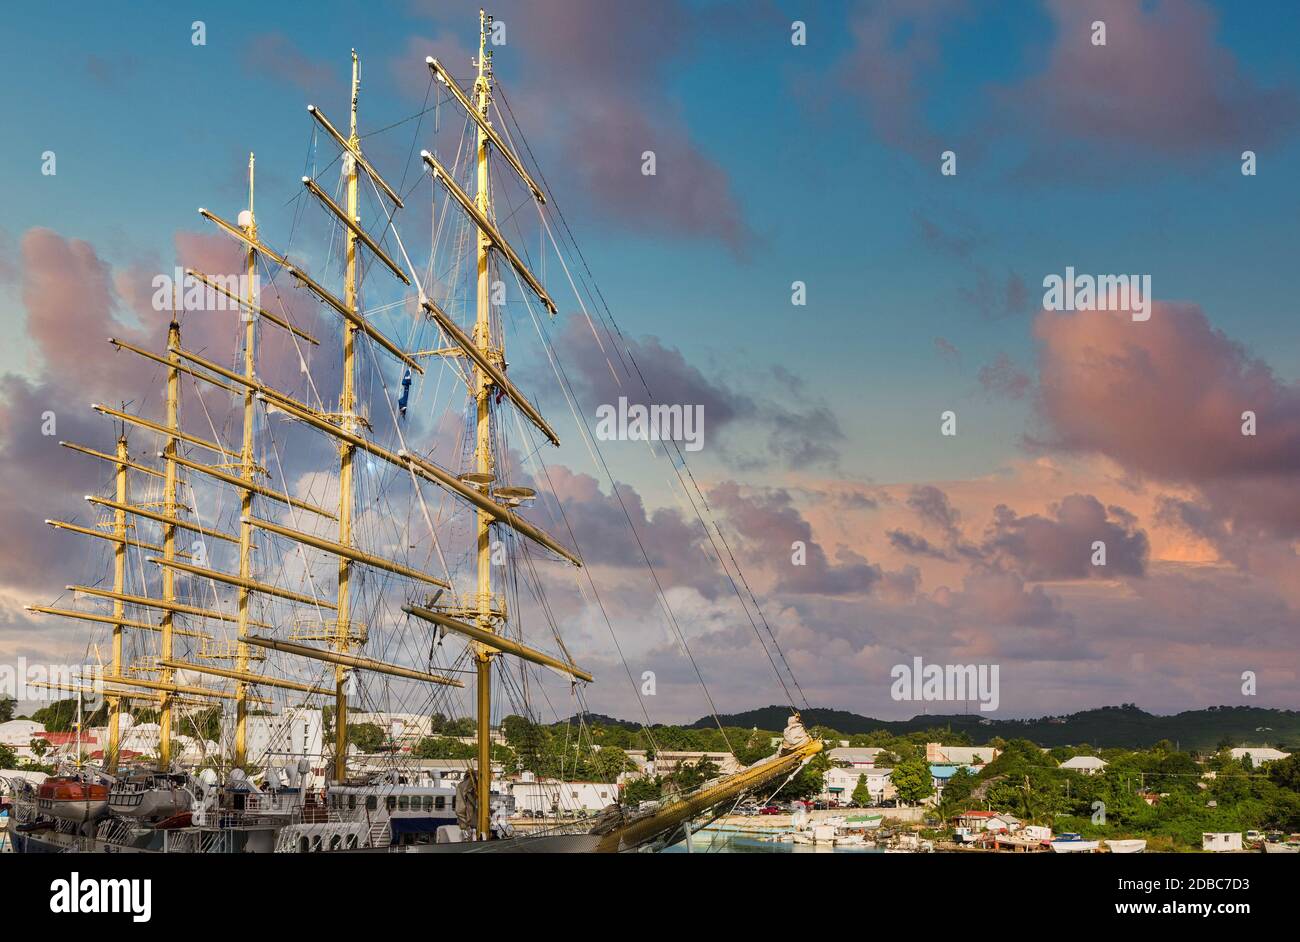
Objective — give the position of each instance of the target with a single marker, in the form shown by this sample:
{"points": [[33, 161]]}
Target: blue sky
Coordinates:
{"points": [[829, 155]]}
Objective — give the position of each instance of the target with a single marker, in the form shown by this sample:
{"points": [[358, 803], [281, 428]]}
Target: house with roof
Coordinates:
{"points": [[1088, 765], [1259, 755], [941, 774], [854, 756], [975, 820], [838, 784], [1003, 823]]}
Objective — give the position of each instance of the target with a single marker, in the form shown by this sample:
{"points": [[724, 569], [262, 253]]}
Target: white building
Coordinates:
{"points": [[855, 757], [960, 755], [405, 729], [1088, 765], [667, 761], [1221, 841], [18, 736], [280, 739], [838, 784], [549, 797], [1258, 754], [1002, 822]]}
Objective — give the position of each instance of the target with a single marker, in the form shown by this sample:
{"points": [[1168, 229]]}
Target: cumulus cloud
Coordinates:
{"points": [[1165, 399], [1161, 83], [794, 430], [605, 107], [1061, 546]]}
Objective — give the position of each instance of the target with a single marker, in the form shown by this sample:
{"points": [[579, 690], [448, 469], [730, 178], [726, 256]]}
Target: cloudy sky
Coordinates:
{"points": [[775, 163]]}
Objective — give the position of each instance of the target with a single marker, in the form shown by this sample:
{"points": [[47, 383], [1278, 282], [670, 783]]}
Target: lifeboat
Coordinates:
{"points": [[151, 797], [72, 799]]}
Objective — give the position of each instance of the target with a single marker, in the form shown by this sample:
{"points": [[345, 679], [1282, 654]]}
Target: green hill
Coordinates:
{"points": [[1124, 726]]}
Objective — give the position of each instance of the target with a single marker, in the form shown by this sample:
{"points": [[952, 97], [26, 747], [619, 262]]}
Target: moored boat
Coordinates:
{"points": [[1277, 847], [1074, 844], [1135, 846]]}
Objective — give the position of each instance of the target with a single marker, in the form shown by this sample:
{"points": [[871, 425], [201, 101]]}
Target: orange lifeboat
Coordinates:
{"points": [[72, 799]]}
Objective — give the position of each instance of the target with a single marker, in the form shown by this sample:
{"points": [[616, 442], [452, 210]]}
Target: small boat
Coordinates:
{"points": [[1074, 844], [72, 799], [183, 820], [1277, 847], [1127, 847], [151, 796], [863, 821]]}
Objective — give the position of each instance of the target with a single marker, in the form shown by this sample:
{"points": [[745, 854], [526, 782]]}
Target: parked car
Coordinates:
{"points": [[772, 809]]}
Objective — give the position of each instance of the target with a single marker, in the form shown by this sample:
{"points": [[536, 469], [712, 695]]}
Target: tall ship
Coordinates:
{"points": [[341, 517]]}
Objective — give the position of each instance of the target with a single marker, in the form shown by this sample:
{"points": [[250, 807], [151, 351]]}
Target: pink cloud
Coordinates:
{"points": [[277, 56], [593, 95], [895, 44], [1164, 398], [1162, 82]]}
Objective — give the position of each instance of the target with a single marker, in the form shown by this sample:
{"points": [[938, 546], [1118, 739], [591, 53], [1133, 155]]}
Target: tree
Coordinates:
{"points": [[686, 776], [7, 705], [959, 787], [1286, 773], [609, 762], [861, 794], [443, 747], [912, 780], [637, 790], [368, 737], [59, 717], [757, 745], [8, 758]]}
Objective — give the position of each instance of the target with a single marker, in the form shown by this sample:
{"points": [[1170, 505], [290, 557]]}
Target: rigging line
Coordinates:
{"points": [[284, 313], [293, 516], [546, 472], [415, 138], [418, 114], [418, 320], [388, 401], [581, 422], [610, 316]]}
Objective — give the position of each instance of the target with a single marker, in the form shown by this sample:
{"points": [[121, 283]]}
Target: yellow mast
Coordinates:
{"points": [[483, 449], [247, 468], [171, 508], [347, 415], [119, 608]]}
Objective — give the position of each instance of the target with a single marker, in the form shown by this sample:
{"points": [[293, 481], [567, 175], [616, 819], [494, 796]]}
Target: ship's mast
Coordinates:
{"points": [[172, 510], [483, 427], [119, 607], [347, 417], [247, 470]]}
